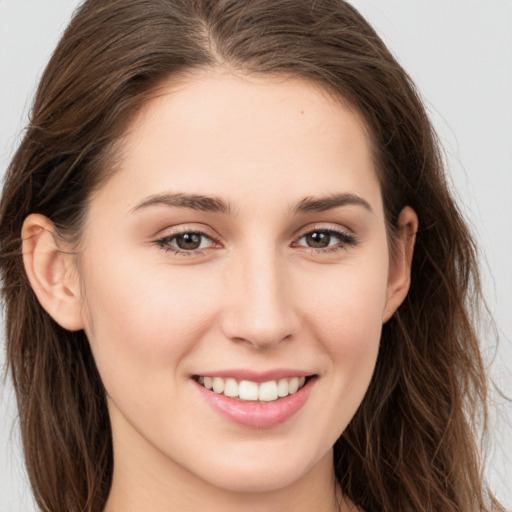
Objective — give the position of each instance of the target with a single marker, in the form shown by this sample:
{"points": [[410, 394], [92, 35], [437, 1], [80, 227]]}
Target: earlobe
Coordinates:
{"points": [[50, 272], [399, 277]]}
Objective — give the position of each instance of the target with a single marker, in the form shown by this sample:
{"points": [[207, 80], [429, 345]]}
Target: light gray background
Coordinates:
{"points": [[459, 52]]}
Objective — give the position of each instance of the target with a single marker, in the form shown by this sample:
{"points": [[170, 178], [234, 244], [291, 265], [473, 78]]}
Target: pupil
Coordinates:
{"points": [[188, 241], [318, 240]]}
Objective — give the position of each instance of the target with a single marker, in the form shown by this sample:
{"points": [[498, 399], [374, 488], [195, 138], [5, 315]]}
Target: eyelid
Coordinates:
{"points": [[164, 236], [319, 226], [185, 227], [346, 237]]}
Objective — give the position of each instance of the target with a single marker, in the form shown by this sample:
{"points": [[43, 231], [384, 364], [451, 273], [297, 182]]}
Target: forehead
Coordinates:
{"points": [[217, 133]]}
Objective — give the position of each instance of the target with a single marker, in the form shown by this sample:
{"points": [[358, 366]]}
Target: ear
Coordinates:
{"points": [[399, 276], [51, 272]]}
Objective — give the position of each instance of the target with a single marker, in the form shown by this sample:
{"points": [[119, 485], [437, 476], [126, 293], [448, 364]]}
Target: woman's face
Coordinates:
{"points": [[241, 245]]}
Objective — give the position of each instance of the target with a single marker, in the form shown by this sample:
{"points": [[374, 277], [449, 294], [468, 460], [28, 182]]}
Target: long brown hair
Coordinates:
{"points": [[410, 446]]}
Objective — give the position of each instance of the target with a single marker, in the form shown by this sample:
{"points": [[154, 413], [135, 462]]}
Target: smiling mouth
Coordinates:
{"points": [[250, 391]]}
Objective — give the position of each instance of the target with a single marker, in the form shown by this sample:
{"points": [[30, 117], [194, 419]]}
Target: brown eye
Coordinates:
{"points": [[318, 239], [328, 239], [189, 241], [186, 243]]}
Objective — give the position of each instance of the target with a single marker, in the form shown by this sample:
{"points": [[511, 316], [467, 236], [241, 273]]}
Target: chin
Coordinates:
{"points": [[259, 474], [255, 481]]}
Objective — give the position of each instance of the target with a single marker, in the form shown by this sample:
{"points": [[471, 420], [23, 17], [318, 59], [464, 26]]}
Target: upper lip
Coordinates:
{"points": [[255, 376]]}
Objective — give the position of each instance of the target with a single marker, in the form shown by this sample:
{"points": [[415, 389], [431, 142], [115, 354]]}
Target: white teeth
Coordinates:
{"points": [[208, 382], [293, 385], [282, 387], [218, 385], [249, 390], [268, 391], [231, 387]]}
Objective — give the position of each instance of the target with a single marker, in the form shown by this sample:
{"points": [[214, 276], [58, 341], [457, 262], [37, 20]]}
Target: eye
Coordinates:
{"points": [[329, 239], [186, 242]]}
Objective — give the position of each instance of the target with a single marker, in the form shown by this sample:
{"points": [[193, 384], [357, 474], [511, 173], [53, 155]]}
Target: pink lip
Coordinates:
{"points": [[255, 414]]}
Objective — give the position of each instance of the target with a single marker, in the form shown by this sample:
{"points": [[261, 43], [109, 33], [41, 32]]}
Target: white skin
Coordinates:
{"points": [[254, 295]]}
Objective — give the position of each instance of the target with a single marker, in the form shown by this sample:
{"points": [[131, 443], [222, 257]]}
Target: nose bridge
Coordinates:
{"points": [[259, 308]]}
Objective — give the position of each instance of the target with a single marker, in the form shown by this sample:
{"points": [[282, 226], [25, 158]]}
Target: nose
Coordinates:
{"points": [[258, 306]]}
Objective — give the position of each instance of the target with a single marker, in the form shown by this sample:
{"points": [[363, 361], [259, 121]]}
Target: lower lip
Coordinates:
{"points": [[258, 414]]}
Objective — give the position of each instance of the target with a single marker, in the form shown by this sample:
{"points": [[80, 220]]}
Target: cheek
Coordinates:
{"points": [[345, 313], [348, 304], [142, 324]]}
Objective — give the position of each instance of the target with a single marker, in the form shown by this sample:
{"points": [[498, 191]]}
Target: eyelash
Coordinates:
{"points": [[164, 243], [345, 239]]}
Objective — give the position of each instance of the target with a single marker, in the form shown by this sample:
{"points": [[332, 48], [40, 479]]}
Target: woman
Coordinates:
{"points": [[218, 306]]}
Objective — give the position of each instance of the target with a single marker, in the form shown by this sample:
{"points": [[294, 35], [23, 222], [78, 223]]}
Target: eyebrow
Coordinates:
{"points": [[192, 201], [322, 204], [217, 205]]}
